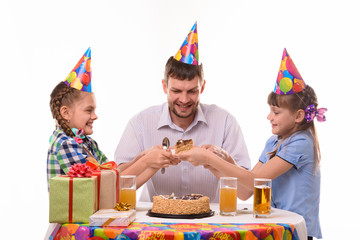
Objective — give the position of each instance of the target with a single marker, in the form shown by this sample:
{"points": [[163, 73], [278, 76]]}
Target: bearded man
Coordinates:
{"points": [[140, 153]]}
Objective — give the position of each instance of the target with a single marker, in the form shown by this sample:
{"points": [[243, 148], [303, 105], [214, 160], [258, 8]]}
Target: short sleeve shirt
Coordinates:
{"points": [[64, 152], [297, 190]]}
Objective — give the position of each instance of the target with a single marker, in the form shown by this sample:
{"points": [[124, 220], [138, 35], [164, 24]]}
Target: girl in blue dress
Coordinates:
{"points": [[291, 156]]}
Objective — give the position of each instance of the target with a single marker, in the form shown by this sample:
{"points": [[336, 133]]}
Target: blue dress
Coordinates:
{"points": [[297, 190]]}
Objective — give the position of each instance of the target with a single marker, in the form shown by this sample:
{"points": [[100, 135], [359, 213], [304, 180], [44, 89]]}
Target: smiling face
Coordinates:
{"points": [[81, 114], [286, 113], [283, 121], [183, 98]]}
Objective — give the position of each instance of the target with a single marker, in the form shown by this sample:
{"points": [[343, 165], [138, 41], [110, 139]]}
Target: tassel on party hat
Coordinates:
{"points": [[80, 76], [189, 52], [289, 80]]}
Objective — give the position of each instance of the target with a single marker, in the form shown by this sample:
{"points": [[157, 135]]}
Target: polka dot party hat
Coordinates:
{"points": [[289, 80], [80, 76], [189, 52]]}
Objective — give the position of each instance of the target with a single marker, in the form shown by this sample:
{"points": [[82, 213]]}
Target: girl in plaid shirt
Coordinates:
{"points": [[73, 107]]}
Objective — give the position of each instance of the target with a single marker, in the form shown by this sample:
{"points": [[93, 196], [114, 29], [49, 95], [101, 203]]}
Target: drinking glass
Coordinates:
{"points": [[262, 197], [228, 196], [128, 190]]}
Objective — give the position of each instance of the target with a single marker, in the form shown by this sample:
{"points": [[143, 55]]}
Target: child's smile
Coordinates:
{"points": [[82, 113], [282, 121]]}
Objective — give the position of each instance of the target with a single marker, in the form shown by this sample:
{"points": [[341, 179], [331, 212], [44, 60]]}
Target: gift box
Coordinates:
{"points": [[72, 199], [108, 178], [108, 188], [111, 217]]}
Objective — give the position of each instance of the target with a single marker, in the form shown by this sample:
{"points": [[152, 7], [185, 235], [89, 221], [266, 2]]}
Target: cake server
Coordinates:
{"points": [[165, 144]]}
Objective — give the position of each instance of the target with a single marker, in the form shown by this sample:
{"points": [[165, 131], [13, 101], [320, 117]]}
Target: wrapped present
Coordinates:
{"points": [[72, 199], [107, 189], [108, 183], [111, 217]]}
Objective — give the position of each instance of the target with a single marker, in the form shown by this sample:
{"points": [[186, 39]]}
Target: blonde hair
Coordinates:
{"points": [[294, 102]]}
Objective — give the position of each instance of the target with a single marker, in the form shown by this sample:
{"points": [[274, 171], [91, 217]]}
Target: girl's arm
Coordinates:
{"points": [[124, 166], [272, 169], [147, 165], [220, 153]]}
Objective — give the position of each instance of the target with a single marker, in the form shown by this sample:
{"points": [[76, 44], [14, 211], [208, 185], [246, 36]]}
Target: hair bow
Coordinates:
{"points": [[311, 113], [79, 170], [78, 135]]}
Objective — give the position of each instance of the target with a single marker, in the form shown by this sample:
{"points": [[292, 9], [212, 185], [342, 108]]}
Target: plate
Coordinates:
{"points": [[181, 216]]}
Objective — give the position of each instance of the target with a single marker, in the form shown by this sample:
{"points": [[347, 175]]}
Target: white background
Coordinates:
{"points": [[240, 45]]}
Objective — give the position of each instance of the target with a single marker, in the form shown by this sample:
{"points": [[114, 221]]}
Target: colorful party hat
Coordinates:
{"points": [[189, 52], [289, 80], [80, 76]]}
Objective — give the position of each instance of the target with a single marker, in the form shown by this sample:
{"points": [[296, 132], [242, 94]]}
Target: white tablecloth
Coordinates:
{"points": [[244, 215]]}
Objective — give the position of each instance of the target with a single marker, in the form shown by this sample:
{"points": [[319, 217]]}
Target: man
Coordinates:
{"points": [[182, 117]]}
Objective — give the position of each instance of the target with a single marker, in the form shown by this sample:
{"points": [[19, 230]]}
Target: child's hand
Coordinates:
{"points": [[146, 151], [173, 160], [218, 151], [196, 156], [158, 158]]}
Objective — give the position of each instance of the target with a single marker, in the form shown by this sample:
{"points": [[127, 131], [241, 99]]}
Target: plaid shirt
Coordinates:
{"points": [[64, 152]]}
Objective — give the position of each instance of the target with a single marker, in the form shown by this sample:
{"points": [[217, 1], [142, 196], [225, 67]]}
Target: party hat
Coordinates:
{"points": [[189, 52], [80, 76], [289, 80]]}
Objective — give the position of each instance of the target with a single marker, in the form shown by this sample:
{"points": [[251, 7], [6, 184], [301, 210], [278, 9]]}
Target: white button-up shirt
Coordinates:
{"points": [[212, 125]]}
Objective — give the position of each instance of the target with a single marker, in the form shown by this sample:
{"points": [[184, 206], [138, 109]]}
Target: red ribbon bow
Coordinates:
{"points": [[94, 165], [79, 170]]}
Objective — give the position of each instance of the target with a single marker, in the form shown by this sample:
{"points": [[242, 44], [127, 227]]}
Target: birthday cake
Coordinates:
{"points": [[186, 205], [183, 145]]}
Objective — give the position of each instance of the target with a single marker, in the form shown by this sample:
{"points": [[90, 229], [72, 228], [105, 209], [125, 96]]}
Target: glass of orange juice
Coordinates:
{"points": [[128, 190], [228, 196]]}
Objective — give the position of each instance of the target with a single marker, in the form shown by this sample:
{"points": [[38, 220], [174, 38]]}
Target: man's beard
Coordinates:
{"points": [[182, 116], [193, 111]]}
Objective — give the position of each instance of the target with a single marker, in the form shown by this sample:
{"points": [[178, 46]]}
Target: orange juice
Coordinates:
{"points": [[228, 200], [128, 195]]}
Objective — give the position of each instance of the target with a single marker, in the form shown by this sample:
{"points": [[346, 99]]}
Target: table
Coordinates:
{"points": [[242, 226]]}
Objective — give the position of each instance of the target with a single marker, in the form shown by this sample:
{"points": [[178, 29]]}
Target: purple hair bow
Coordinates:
{"points": [[311, 113]]}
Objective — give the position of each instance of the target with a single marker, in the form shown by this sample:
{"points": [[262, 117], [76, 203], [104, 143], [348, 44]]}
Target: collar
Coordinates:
{"points": [[61, 131], [165, 119]]}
